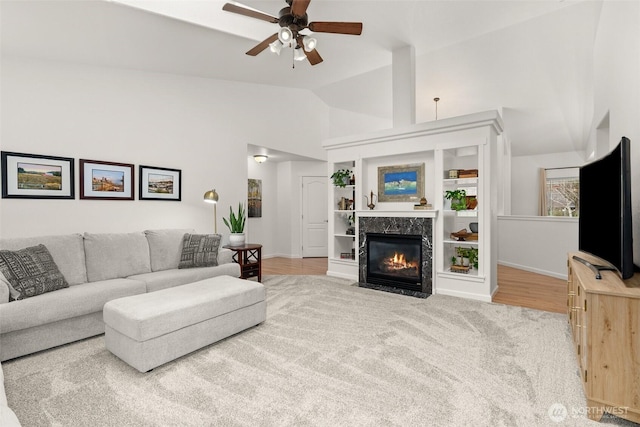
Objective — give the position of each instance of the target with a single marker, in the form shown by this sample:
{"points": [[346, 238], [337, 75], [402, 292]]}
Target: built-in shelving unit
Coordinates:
{"points": [[342, 245], [463, 143]]}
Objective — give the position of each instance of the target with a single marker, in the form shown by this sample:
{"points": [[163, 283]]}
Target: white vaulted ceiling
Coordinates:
{"points": [[530, 58]]}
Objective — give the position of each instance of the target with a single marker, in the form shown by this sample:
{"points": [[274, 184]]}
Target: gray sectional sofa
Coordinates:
{"points": [[98, 268]]}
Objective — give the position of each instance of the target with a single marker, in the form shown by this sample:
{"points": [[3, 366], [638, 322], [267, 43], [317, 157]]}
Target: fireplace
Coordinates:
{"points": [[415, 231], [395, 260]]}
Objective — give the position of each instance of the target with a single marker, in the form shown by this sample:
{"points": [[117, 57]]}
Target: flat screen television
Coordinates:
{"points": [[605, 211]]}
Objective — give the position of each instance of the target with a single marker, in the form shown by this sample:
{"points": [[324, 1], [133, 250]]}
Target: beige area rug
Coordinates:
{"points": [[329, 354]]}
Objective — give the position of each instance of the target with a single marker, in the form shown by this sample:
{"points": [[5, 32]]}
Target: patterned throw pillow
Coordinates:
{"points": [[199, 250], [30, 272]]}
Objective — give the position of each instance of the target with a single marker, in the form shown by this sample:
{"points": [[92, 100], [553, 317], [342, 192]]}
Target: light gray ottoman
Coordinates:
{"points": [[150, 329]]}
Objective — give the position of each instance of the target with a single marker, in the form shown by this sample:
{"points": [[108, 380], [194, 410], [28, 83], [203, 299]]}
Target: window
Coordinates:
{"points": [[562, 192]]}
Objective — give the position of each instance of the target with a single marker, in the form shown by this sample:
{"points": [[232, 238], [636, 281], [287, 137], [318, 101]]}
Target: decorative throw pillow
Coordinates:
{"points": [[199, 250], [30, 271]]}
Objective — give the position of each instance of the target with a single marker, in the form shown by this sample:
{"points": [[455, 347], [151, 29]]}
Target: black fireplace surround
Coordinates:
{"points": [[408, 228]]}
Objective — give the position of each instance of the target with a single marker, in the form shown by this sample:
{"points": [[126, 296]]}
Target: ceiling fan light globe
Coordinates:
{"points": [[285, 35], [309, 43], [275, 47], [299, 55]]}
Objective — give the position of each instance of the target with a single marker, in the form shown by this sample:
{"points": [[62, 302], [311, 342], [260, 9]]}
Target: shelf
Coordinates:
{"points": [[461, 242], [344, 211], [461, 181], [346, 187], [472, 275], [344, 235], [464, 213]]}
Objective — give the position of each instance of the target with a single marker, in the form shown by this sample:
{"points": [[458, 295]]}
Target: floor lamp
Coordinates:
{"points": [[211, 196]]}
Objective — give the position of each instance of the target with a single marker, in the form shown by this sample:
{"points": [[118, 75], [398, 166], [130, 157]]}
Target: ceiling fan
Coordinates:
{"points": [[292, 20]]}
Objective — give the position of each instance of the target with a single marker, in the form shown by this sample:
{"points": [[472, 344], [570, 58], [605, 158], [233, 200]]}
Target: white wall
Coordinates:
{"points": [[538, 244], [617, 88], [344, 123], [263, 230], [525, 176], [200, 126]]}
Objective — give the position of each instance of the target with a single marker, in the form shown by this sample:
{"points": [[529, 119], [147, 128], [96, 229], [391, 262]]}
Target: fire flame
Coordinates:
{"points": [[398, 261]]}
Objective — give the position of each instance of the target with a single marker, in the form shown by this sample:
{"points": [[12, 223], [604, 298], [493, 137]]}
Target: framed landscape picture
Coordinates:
{"points": [[105, 180], [35, 176], [403, 183], [254, 198], [160, 183]]}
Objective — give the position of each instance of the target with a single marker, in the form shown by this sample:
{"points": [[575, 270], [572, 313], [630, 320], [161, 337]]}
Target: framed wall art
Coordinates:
{"points": [[35, 176], [160, 183], [106, 180], [402, 183], [254, 198]]}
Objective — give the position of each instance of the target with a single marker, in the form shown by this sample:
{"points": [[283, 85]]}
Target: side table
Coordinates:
{"points": [[249, 256]]}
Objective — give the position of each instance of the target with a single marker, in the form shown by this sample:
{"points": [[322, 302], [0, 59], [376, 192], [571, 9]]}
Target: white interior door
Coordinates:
{"points": [[314, 216]]}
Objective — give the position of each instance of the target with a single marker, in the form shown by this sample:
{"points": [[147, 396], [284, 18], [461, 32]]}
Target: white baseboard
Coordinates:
{"points": [[281, 256], [534, 270]]}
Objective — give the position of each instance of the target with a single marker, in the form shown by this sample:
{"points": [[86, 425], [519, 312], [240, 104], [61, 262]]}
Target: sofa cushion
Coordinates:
{"points": [[30, 271], [169, 278], [199, 250], [110, 256], [6, 291], [67, 251], [64, 304], [165, 247]]}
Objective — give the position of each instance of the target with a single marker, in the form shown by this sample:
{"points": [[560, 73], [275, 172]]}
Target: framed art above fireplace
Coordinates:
{"points": [[402, 183]]}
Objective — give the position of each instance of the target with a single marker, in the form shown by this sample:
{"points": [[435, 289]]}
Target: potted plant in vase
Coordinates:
{"points": [[341, 177], [236, 226], [458, 199]]}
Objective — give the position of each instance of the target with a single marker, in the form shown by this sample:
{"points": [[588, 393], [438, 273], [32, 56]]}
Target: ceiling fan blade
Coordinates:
{"points": [[243, 10], [313, 56], [299, 7], [263, 45], [354, 28]]}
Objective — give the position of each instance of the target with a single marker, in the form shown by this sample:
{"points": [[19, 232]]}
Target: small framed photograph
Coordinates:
{"points": [[160, 183], [402, 183], [105, 180], [35, 176]]}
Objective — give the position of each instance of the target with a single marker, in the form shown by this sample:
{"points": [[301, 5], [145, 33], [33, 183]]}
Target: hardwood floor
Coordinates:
{"points": [[516, 287], [526, 289], [294, 266]]}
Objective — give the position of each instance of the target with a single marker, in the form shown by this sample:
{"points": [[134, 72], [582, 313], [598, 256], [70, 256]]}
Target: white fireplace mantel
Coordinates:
{"points": [[402, 214]]}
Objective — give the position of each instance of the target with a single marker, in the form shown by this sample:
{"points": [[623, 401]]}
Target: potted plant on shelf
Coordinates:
{"points": [[463, 253], [341, 177], [458, 199], [236, 225], [473, 257]]}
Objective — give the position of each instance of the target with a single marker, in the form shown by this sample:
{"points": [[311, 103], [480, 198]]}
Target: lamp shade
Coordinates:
{"points": [[260, 158], [285, 35], [275, 47], [309, 43], [211, 196], [299, 55]]}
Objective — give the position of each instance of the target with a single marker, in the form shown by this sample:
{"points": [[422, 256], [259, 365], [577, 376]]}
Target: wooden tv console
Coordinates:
{"points": [[605, 321]]}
